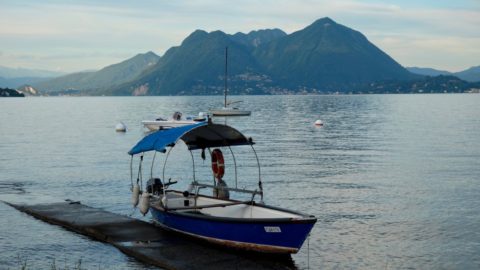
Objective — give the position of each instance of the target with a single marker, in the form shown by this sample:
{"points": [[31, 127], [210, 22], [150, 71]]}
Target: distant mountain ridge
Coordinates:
{"points": [[428, 84], [8, 73], [324, 56], [94, 81], [327, 55], [470, 75], [15, 77], [17, 82], [258, 37]]}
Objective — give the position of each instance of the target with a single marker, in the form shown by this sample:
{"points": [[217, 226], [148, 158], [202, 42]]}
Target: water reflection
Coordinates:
{"points": [[393, 179]]}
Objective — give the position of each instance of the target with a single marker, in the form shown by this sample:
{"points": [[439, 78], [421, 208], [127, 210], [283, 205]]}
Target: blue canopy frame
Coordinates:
{"points": [[196, 136]]}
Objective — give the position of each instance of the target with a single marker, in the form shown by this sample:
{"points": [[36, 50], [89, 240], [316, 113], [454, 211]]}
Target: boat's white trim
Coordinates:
{"points": [[235, 244], [155, 125], [175, 199], [229, 112]]}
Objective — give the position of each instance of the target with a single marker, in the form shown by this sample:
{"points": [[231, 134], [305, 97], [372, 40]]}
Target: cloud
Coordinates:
{"points": [[54, 27]]}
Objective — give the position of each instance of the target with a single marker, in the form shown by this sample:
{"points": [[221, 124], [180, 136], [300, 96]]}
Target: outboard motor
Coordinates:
{"points": [[155, 186], [177, 116]]}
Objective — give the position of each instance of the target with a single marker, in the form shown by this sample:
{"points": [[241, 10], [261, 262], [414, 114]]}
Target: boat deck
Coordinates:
{"points": [[149, 243], [222, 207]]}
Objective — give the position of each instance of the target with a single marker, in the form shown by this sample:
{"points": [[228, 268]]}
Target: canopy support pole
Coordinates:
{"points": [[139, 175], [193, 162], [131, 173], [163, 177], [213, 174], [164, 165], [259, 173], [235, 166], [153, 161]]}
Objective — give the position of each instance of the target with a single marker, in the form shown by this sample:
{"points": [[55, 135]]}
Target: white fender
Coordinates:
{"points": [[135, 193], [144, 203]]}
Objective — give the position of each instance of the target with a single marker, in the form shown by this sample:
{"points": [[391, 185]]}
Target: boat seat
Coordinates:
{"points": [[180, 202]]}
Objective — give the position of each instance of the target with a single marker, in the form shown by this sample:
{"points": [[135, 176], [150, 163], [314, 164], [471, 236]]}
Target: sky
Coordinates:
{"points": [[70, 35]]}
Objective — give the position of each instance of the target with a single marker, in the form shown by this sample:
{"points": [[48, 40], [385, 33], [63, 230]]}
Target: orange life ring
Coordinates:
{"points": [[218, 164]]}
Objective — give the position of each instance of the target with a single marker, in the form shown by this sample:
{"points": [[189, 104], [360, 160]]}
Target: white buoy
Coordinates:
{"points": [[135, 193], [121, 127], [319, 123], [144, 203]]}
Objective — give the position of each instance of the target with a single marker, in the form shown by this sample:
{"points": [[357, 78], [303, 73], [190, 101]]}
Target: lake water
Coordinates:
{"points": [[394, 180]]}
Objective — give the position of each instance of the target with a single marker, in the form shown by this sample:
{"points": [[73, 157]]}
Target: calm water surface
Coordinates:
{"points": [[393, 179]]}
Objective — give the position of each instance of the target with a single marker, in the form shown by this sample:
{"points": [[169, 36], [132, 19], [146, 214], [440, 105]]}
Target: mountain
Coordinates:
{"points": [[324, 56], [327, 55], [9, 73], [427, 84], [93, 81], [17, 82], [195, 67], [470, 75], [427, 71], [256, 38], [15, 77]]}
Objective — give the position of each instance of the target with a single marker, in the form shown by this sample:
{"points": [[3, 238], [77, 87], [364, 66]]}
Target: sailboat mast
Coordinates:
{"points": [[226, 74]]}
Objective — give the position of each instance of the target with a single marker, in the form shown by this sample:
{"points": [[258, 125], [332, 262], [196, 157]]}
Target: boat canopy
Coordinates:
{"points": [[196, 136]]}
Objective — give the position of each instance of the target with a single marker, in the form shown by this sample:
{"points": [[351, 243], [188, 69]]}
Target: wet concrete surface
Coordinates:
{"points": [[149, 243]]}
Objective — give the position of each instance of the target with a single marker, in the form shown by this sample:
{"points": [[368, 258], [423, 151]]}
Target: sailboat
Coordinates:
{"points": [[226, 110]]}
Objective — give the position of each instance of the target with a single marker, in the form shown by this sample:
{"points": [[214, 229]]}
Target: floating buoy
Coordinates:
{"points": [[121, 127], [319, 123], [144, 203], [135, 193]]}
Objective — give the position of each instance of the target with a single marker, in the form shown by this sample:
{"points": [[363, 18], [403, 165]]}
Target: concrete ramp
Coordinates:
{"points": [[147, 242]]}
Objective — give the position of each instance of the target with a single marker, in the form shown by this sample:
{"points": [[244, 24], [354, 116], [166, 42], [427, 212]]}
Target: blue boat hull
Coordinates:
{"points": [[264, 235]]}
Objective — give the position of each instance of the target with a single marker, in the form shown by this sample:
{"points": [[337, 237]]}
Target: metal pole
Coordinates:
{"points": [[139, 176], [193, 162], [131, 173], [213, 175], [259, 172], [235, 166], [153, 161], [226, 74], [165, 164]]}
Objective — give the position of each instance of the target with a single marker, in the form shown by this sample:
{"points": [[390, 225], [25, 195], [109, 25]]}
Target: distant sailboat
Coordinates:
{"points": [[228, 111]]}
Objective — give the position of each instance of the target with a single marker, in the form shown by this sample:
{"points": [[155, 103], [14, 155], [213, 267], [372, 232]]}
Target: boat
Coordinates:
{"points": [[226, 110], [175, 121], [229, 111], [205, 210]]}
